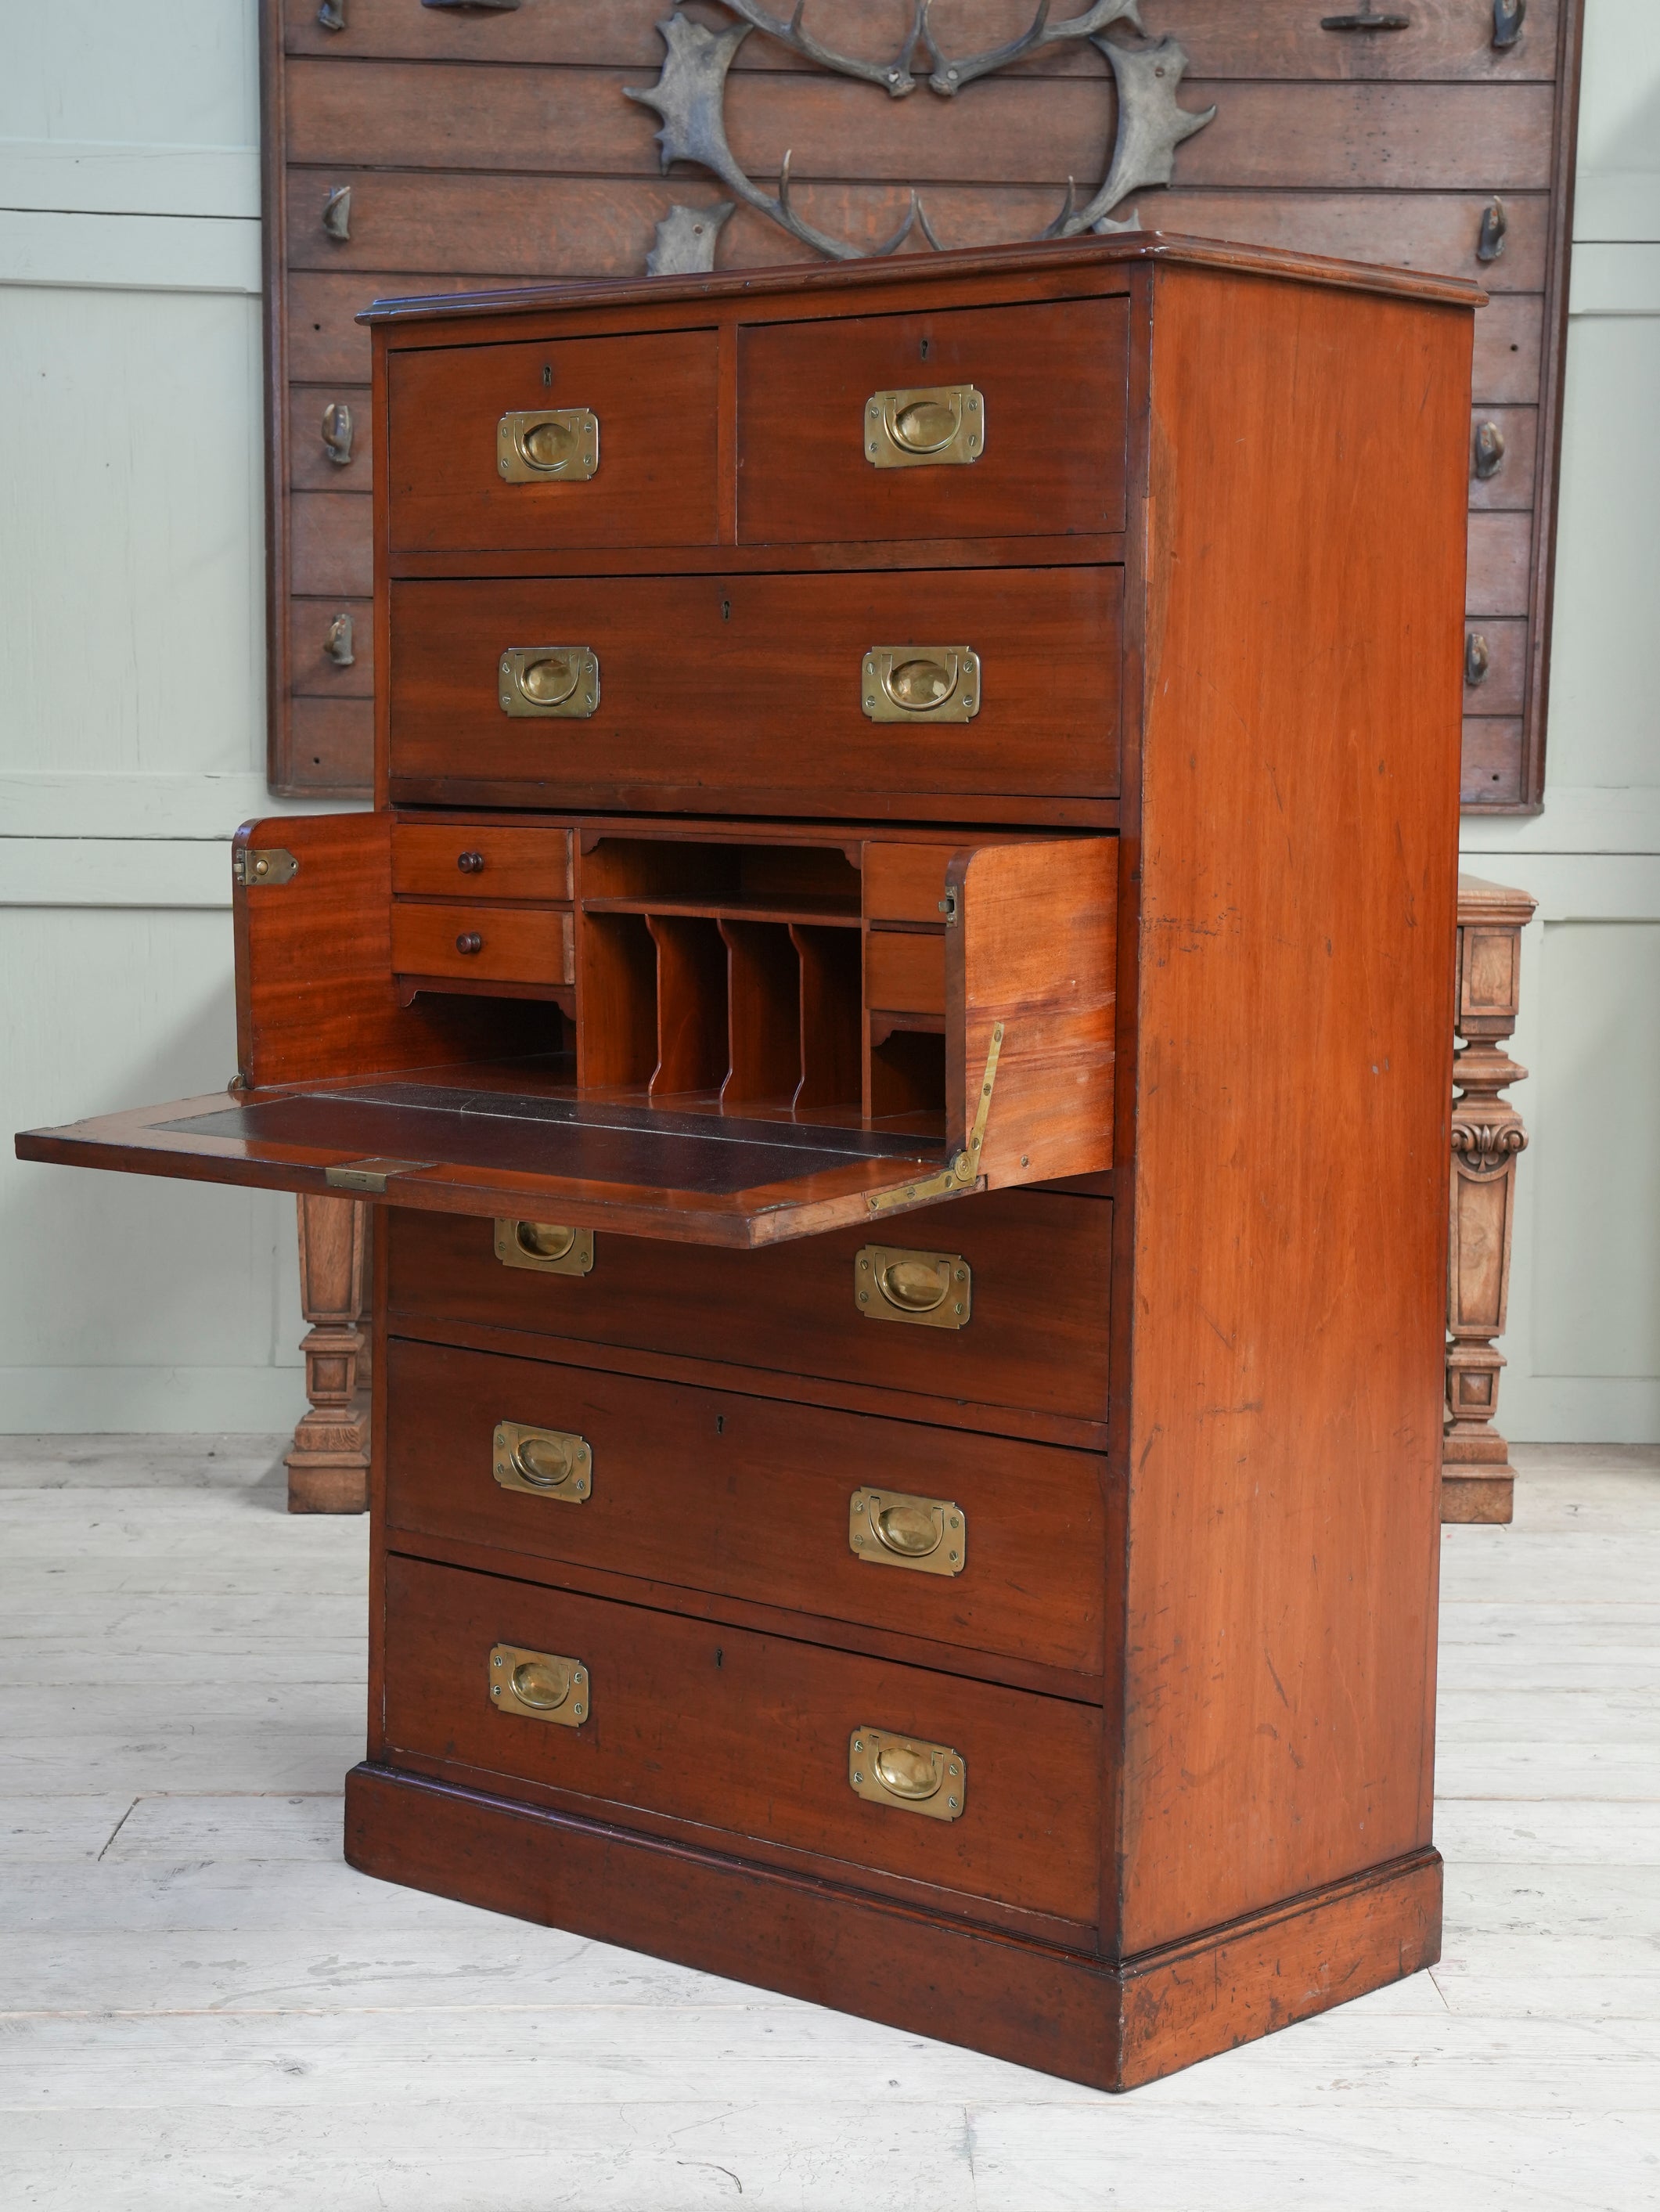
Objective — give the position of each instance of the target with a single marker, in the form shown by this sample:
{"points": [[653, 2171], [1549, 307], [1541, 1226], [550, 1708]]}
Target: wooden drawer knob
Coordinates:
{"points": [[470, 941], [470, 864]]}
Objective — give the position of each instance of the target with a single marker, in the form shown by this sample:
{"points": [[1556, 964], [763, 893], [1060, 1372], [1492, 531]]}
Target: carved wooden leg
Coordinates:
{"points": [[1476, 1476], [329, 1463]]}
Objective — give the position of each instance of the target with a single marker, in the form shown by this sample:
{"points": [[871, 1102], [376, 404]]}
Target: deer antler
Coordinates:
{"points": [[1151, 126], [836, 249], [949, 77], [895, 76]]}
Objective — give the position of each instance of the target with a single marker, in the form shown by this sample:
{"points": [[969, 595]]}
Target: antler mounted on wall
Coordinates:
{"points": [[690, 95]]}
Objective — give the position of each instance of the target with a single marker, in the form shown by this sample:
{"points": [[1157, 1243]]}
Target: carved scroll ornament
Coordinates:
{"points": [[690, 95]]}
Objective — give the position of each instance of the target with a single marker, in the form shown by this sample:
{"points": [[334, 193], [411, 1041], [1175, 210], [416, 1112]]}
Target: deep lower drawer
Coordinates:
{"points": [[750, 684], [752, 1736], [750, 1498], [1035, 1334]]}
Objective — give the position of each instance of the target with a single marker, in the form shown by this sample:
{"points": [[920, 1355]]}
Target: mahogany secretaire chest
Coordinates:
{"points": [[897, 998]]}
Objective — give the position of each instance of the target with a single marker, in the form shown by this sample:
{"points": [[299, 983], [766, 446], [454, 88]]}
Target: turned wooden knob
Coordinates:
{"points": [[470, 941], [470, 863]]}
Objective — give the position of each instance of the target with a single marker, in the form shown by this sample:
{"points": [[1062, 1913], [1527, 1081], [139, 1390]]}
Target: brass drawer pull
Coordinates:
{"points": [[890, 1529], [935, 1290], [549, 679], [929, 1778], [538, 1685], [938, 426], [546, 1246], [920, 683], [544, 445], [547, 1462]]}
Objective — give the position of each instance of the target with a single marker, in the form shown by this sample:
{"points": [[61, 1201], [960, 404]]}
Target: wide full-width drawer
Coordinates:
{"points": [[557, 445], [971, 423], [984, 1542], [747, 1736], [482, 944], [1034, 1333], [479, 859], [704, 685]]}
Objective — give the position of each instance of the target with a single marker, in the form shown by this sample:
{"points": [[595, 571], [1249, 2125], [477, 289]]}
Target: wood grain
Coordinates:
{"points": [[713, 1491], [733, 1732], [690, 695], [1019, 2001], [1009, 130], [1051, 381], [1040, 1270], [1294, 1017], [654, 396], [1273, 38]]}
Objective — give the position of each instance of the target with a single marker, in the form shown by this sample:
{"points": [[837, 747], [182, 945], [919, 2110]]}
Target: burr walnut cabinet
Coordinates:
{"points": [[894, 1007]]}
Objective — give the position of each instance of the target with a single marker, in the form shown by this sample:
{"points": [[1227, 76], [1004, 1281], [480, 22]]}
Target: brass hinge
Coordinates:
{"points": [[370, 1175], [272, 865], [959, 1174]]}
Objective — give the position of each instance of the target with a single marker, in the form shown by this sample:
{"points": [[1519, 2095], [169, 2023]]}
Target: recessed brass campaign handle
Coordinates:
{"points": [[549, 679], [920, 683], [547, 1462], [932, 1289], [929, 1778], [545, 445], [548, 1247], [538, 1685], [933, 426], [892, 1529]]}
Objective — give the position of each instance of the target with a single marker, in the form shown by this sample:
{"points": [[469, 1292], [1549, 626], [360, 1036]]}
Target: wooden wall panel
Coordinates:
{"points": [[496, 147]]}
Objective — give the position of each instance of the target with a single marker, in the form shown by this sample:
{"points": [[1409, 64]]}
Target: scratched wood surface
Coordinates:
{"points": [[205, 2006], [488, 147]]}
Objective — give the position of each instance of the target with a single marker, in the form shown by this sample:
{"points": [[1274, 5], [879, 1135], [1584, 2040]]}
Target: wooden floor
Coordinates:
{"points": [[200, 2005]]}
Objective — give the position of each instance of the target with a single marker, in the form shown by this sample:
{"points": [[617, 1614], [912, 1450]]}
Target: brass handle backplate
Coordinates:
{"points": [[538, 1685], [549, 679], [934, 1290], [545, 1246], [547, 1462], [548, 444], [891, 1529], [938, 426], [920, 683], [929, 1778]]}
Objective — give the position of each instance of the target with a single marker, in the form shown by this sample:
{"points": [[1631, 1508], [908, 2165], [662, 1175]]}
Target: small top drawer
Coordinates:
{"points": [[564, 444], [1047, 385], [479, 861]]}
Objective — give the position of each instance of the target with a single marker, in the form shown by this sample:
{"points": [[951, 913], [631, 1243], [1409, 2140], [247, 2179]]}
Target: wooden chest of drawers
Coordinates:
{"points": [[895, 995]]}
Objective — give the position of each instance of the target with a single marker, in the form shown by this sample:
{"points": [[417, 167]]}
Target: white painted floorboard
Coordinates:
{"points": [[202, 2006]]}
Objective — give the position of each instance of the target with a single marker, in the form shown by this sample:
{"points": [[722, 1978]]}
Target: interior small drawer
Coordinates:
{"points": [[905, 971], [706, 691], [967, 422], [559, 443], [985, 1542], [490, 860], [1032, 1332], [477, 943], [747, 1736]]}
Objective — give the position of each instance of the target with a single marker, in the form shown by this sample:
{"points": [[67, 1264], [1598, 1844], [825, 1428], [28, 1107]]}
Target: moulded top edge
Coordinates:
{"points": [[966, 261]]}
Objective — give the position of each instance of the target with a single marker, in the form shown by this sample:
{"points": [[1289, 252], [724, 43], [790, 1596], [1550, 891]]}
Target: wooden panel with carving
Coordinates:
{"points": [[417, 148]]}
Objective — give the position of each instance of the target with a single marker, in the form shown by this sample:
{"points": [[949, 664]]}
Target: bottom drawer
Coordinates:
{"points": [[750, 1734]]}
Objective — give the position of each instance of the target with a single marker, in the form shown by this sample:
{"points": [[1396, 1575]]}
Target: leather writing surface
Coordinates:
{"points": [[711, 1153]]}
